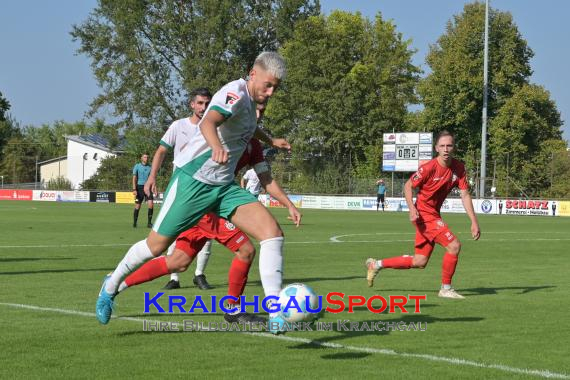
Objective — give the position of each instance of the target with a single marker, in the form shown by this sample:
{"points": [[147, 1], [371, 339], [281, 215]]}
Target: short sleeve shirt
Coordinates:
{"points": [[141, 172], [435, 182]]}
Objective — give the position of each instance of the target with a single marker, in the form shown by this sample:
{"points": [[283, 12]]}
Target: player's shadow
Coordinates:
{"points": [[57, 271], [497, 290], [22, 259], [345, 331], [346, 356]]}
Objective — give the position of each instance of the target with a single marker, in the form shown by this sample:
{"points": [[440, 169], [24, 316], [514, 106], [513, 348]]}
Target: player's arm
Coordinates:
{"points": [[242, 182], [208, 127], [409, 195], [262, 135], [468, 206], [276, 191], [135, 180], [157, 160]]}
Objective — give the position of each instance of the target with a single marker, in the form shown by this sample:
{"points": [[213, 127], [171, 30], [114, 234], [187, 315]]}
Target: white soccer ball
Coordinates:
{"points": [[294, 299]]}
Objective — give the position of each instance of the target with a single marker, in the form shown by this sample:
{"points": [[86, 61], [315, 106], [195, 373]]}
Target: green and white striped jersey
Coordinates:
{"points": [[236, 105]]}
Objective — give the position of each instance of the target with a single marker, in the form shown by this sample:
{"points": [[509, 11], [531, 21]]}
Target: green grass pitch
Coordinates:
{"points": [[513, 323]]}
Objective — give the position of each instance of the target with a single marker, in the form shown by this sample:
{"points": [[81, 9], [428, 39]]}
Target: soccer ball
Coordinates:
{"points": [[294, 299]]}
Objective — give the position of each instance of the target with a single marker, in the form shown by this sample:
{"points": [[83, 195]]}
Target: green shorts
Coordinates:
{"points": [[186, 200]]}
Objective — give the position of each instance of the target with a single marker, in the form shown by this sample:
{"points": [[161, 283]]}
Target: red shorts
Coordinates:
{"points": [[209, 227], [429, 233]]}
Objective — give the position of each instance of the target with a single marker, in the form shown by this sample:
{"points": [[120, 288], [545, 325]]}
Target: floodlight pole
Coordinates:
{"points": [[485, 90]]}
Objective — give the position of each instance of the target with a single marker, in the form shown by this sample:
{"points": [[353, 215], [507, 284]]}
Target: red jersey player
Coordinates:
{"points": [[434, 180]]}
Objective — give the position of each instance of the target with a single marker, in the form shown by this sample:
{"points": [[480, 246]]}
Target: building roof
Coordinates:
{"points": [[62, 158], [99, 142]]}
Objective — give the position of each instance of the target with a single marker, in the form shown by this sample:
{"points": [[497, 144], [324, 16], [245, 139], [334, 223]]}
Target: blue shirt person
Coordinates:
{"points": [[141, 171], [381, 194]]}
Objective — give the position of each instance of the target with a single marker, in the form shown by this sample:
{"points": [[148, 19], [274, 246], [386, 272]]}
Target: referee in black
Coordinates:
{"points": [[141, 172]]}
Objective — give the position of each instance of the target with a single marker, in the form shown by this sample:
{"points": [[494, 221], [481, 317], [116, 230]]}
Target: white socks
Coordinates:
{"points": [[203, 257], [173, 276], [271, 265], [137, 255]]}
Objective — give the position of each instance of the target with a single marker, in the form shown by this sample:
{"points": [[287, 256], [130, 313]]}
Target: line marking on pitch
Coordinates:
{"points": [[369, 350]]}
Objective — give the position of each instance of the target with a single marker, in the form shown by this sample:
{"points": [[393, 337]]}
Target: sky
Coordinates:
{"points": [[45, 80]]}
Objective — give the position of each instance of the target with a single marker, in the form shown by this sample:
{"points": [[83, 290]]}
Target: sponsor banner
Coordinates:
{"points": [[124, 197], [527, 207], [16, 195], [102, 196], [452, 205], [44, 195], [485, 206], [269, 201], [73, 196], [563, 208], [311, 201]]}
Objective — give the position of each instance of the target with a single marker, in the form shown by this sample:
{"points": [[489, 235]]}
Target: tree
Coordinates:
{"points": [[4, 107], [453, 92], [349, 80], [524, 123], [147, 55], [7, 126], [526, 129]]}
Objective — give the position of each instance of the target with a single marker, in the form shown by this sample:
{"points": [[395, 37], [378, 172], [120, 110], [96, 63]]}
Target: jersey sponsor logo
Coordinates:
{"points": [[435, 179], [440, 223], [231, 98], [229, 226]]}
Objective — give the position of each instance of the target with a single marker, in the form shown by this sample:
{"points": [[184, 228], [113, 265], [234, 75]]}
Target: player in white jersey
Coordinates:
{"points": [[204, 181], [177, 137], [250, 182]]}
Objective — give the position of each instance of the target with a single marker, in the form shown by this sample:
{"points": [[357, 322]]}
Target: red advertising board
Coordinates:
{"points": [[16, 195]]}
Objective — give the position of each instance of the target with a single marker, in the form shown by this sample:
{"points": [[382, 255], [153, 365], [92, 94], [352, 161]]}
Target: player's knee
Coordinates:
{"points": [[454, 247], [246, 253], [420, 262]]}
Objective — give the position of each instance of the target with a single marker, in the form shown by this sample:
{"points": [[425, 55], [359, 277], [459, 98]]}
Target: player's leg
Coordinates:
{"points": [[201, 263], [174, 282], [150, 203], [377, 201], [138, 201], [382, 201], [255, 220], [452, 247], [423, 249], [182, 208]]}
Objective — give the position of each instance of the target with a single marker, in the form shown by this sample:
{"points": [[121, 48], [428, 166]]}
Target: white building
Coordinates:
{"points": [[84, 155], [52, 169]]}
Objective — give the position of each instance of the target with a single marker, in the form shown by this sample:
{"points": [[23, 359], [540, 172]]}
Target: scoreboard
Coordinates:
{"points": [[406, 152]]}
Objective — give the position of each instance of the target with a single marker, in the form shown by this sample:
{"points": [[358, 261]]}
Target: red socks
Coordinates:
{"points": [[448, 268], [399, 262], [149, 271], [237, 278]]}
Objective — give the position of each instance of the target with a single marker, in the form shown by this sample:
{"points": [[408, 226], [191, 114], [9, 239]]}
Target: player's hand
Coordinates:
{"points": [[414, 215], [475, 231], [281, 144], [220, 155], [150, 186], [295, 216]]}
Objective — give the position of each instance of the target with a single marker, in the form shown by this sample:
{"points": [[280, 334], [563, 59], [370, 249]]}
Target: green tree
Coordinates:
{"points": [[4, 107], [147, 55], [527, 130], [453, 92], [350, 79]]}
